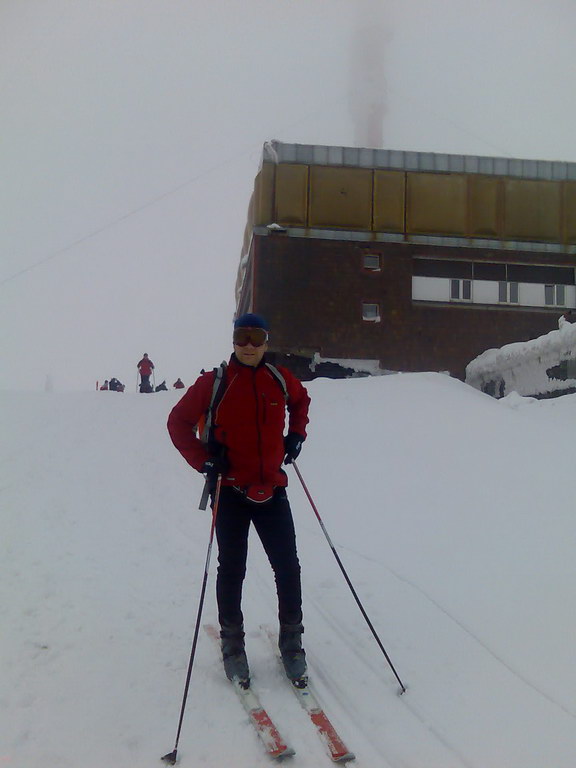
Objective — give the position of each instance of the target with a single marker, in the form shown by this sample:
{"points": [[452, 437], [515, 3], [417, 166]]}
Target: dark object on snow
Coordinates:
{"points": [[178, 384], [162, 387], [115, 385]]}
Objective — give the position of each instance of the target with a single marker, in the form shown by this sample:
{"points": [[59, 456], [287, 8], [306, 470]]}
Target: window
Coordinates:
{"points": [[460, 290], [554, 295], [481, 270], [489, 271], [442, 268], [525, 273], [508, 292], [370, 312], [372, 262]]}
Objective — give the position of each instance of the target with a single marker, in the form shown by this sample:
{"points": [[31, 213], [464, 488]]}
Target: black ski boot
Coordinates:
{"points": [[293, 655], [234, 655]]}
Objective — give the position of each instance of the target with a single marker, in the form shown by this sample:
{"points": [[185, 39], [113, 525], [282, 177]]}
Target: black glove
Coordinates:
{"points": [[214, 466], [292, 446]]}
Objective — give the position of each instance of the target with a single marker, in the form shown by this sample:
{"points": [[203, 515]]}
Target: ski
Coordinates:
{"points": [[268, 733], [336, 748], [338, 751]]}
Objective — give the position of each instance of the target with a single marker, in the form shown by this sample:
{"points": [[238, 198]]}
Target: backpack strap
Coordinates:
{"points": [[279, 378], [217, 391]]}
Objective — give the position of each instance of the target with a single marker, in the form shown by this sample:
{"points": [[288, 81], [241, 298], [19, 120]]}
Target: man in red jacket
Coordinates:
{"points": [[246, 447], [145, 366]]}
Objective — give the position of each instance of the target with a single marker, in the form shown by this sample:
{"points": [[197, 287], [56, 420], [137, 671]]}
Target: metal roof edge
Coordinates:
{"points": [[436, 240], [393, 159]]}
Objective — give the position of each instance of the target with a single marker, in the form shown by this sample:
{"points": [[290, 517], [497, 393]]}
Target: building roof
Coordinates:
{"points": [[391, 159]]}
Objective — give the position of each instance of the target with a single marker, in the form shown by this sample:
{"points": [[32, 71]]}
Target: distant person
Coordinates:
{"points": [[104, 386], [145, 367], [178, 384], [161, 387]]}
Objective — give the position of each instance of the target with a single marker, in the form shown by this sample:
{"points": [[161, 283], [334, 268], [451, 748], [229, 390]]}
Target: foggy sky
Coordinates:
{"points": [[131, 133]]}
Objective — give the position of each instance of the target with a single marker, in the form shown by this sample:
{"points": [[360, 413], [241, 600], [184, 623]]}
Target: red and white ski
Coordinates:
{"points": [[274, 744], [335, 747]]}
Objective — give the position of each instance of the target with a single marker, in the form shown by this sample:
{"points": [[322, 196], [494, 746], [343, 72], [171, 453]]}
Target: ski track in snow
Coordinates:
{"points": [[467, 630], [516, 672]]}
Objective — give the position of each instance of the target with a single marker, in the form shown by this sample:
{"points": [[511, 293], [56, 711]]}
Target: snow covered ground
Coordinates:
{"points": [[452, 512]]}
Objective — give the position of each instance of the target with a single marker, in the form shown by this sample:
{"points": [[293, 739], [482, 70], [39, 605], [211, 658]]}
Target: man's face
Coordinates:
{"points": [[250, 355]]}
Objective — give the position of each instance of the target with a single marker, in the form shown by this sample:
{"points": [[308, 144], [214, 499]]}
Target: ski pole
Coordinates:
{"points": [[172, 756], [328, 539]]}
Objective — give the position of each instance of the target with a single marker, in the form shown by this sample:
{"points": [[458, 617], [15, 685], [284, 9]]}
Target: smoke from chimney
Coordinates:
{"points": [[367, 82]]}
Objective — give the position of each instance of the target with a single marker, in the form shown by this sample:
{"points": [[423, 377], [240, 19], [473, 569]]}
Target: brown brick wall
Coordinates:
{"points": [[311, 290]]}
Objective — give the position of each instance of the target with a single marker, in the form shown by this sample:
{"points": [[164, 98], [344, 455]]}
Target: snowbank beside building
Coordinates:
{"points": [[545, 366]]}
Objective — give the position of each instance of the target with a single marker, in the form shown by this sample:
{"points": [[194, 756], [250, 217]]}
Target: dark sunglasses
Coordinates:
{"points": [[255, 336]]}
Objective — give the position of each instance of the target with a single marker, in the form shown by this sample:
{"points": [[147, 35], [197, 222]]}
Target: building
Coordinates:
{"points": [[405, 261]]}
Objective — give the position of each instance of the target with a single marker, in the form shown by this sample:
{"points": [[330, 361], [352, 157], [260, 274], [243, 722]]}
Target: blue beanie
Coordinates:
{"points": [[250, 320]]}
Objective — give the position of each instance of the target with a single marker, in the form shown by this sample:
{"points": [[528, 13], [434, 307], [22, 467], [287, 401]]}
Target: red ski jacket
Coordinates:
{"points": [[249, 421], [145, 366]]}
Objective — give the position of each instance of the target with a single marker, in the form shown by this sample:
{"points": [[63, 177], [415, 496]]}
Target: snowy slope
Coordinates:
{"points": [[453, 514]]}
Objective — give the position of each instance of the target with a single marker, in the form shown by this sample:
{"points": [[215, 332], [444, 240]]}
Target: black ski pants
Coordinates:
{"points": [[275, 527]]}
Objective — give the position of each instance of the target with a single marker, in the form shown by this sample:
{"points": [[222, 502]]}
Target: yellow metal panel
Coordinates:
{"points": [[436, 204], [340, 197], [483, 206], [291, 194], [532, 210], [264, 195], [389, 201], [570, 211]]}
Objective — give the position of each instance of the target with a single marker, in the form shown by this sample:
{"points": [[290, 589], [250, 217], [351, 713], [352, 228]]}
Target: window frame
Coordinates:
{"points": [[366, 255], [557, 292], [508, 292], [464, 286], [377, 318]]}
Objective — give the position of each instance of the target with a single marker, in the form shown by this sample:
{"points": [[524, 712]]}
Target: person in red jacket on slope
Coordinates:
{"points": [[246, 448], [145, 366]]}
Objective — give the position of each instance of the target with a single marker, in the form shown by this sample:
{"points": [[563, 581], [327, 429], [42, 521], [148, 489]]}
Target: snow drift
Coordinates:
{"points": [[524, 366]]}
